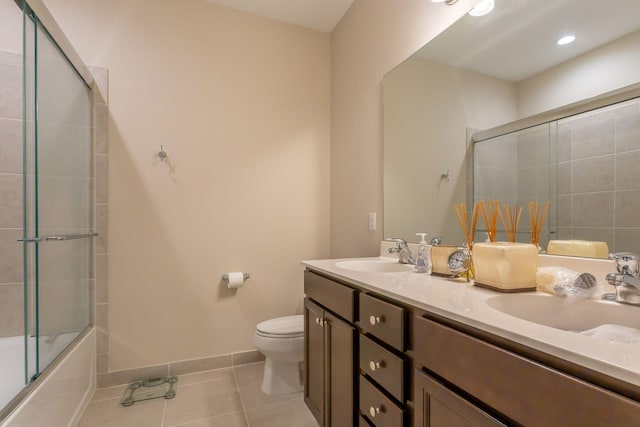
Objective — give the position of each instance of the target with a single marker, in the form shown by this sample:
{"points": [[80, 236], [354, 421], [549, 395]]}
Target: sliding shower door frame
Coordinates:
{"points": [[37, 18]]}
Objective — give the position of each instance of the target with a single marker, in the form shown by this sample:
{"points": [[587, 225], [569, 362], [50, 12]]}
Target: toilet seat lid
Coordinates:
{"points": [[282, 326]]}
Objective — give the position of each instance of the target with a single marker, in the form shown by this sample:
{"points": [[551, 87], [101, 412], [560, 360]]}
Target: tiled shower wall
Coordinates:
{"points": [[598, 178], [11, 300], [536, 151], [496, 169], [11, 198], [101, 168], [514, 169]]}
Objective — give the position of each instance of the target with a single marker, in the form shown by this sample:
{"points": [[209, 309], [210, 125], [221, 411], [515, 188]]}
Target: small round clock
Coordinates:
{"points": [[459, 262]]}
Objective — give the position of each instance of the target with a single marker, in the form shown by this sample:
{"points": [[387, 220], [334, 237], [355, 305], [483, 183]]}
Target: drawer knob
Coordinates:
{"points": [[319, 322], [376, 365], [375, 411], [374, 320]]}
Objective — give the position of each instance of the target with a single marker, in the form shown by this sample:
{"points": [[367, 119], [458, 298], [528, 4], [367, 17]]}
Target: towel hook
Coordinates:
{"points": [[162, 154]]}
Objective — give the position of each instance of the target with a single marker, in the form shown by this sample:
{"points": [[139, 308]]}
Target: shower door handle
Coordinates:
{"points": [[57, 238]]}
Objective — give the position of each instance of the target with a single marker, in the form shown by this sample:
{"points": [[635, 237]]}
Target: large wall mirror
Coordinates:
{"points": [[494, 108]]}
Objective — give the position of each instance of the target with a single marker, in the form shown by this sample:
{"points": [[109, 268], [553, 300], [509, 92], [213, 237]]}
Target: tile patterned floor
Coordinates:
{"points": [[229, 397]]}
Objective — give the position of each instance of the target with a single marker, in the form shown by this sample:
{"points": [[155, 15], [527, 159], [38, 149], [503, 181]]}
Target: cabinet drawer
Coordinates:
{"points": [[523, 390], [384, 320], [336, 297], [379, 409], [384, 367]]}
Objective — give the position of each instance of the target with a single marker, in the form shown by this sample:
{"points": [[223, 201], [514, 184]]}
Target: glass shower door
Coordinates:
{"points": [[517, 168], [60, 187]]}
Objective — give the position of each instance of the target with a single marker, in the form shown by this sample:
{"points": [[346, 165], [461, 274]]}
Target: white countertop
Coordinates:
{"points": [[465, 303]]}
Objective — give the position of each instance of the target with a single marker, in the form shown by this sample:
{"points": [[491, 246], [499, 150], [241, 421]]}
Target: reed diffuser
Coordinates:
{"points": [[536, 217], [490, 218], [510, 220], [468, 228]]}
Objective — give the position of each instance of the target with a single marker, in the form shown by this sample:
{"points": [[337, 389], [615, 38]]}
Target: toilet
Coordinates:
{"points": [[281, 340]]}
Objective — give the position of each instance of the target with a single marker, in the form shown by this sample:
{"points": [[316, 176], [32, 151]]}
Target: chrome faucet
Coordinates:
{"points": [[402, 250], [627, 278], [436, 241]]}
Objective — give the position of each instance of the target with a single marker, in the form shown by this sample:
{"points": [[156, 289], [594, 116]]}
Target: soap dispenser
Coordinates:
{"points": [[423, 264]]}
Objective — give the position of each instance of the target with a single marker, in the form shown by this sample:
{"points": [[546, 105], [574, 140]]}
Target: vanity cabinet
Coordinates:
{"points": [[438, 406], [461, 379], [383, 364], [330, 351], [374, 360]]}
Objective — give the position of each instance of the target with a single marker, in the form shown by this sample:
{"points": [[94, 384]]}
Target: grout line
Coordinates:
{"points": [[122, 388], [203, 380], [244, 409], [182, 423], [107, 398], [277, 402], [164, 411]]}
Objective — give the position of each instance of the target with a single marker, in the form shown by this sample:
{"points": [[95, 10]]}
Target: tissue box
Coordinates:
{"points": [[583, 248], [440, 258], [505, 266]]}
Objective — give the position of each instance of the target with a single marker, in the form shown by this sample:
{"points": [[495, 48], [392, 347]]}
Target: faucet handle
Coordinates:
{"points": [[626, 263], [436, 241], [399, 240]]}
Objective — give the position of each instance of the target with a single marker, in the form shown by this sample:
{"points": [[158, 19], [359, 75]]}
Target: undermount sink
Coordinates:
{"points": [[374, 266], [566, 313]]}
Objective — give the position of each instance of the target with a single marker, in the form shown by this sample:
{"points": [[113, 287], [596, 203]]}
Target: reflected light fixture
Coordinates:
{"points": [[482, 8], [570, 38]]}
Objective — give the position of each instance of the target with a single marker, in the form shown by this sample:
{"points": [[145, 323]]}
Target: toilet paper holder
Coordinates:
{"points": [[245, 276]]}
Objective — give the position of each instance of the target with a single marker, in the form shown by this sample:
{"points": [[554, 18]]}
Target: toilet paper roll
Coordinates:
{"points": [[235, 279]]}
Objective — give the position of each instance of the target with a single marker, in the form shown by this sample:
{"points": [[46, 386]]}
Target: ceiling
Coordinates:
{"points": [[321, 15], [517, 40]]}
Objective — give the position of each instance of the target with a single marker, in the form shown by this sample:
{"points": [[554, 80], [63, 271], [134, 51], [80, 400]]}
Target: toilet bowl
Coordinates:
{"points": [[281, 340]]}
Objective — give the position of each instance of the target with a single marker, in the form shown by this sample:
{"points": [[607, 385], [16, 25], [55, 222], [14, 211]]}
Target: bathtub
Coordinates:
{"points": [[11, 368], [59, 397]]}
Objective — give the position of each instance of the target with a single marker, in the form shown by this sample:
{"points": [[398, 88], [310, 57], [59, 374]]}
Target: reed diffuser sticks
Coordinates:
{"points": [[537, 220], [490, 219], [510, 220], [468, 228]]}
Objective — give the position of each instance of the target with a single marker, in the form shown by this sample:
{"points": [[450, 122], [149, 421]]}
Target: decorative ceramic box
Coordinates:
{"points": [[583, 248], [505, 266], [439, 259]]}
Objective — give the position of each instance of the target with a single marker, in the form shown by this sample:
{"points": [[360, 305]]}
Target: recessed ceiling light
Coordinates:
{"points": [[482, 8], [566, 40]]}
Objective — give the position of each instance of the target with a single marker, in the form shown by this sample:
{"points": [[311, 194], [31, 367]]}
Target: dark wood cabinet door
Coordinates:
{"points": [[437, 406], [343, 371], [314, 360], [523, 390]]}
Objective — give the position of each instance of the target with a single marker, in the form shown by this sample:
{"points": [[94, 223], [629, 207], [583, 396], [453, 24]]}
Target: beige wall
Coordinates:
{"points": [[372, 38], [10, 27], [241, 106], [428, 107], [599, 71]]}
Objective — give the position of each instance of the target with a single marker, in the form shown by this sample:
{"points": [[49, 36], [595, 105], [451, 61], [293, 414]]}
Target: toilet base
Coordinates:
{"points": [[281, 377]]}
